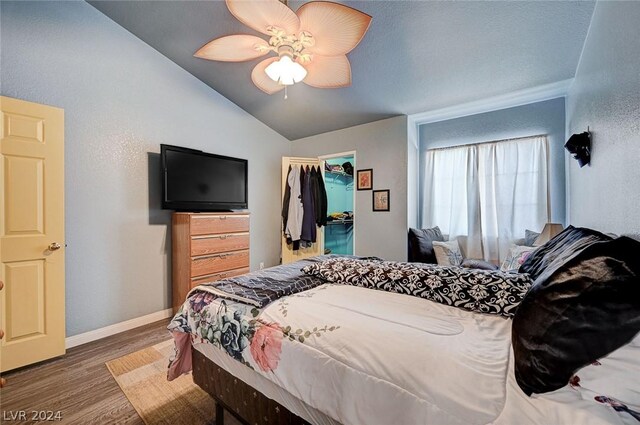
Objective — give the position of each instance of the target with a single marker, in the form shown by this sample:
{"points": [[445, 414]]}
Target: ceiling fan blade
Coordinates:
{"points": [[328, 72], [336, 28], [261, 14], [233, 48], [262, 80]]}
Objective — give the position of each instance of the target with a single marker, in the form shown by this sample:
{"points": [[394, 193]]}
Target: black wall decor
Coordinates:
{"points": [[579, 145]]}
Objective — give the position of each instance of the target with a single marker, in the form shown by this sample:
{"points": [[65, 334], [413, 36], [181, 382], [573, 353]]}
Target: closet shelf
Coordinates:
{"points": [[336, 222], [338, 173]]}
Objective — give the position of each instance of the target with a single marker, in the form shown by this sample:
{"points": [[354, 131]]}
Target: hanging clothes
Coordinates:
{"points": [[320, 194], [285, 203], [309, 230], [295, 214]]}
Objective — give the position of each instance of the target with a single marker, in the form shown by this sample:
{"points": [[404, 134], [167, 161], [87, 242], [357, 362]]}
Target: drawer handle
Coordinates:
{"points": [[223, 217]]}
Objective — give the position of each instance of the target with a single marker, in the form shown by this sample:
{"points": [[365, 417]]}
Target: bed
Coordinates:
{"points": [[322, 352]]}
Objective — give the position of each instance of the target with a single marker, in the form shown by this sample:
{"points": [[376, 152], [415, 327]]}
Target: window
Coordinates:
{"points": [[487, 194]]}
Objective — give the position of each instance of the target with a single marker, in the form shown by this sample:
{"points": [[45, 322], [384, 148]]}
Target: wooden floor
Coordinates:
{"points": [[79, 384]]}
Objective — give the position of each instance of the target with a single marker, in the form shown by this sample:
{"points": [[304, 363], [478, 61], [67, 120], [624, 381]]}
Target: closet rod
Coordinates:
{"points": [[488, 142]]}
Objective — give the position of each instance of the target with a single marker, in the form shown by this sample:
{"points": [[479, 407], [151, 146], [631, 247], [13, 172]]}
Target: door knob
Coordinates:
{"points": [[54, 246]]}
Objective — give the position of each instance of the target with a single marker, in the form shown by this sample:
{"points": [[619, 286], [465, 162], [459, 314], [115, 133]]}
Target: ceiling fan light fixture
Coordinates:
{"points": [[285, 71]]}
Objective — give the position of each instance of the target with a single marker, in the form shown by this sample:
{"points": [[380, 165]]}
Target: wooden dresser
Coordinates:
{"points": [[207, 247]]}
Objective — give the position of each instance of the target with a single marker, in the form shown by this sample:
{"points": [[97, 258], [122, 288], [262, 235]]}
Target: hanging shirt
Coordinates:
{"points": [[320, 195], [285, 203], [309, 230], [296, 212]]}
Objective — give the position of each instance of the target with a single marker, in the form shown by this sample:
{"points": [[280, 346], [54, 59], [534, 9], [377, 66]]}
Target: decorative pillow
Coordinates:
{"points": [[517, 255], [341, 269], [561, 247], [421, 244], [577, 313], [448, 253], [530, 237], [478, 265], [482, 291]]}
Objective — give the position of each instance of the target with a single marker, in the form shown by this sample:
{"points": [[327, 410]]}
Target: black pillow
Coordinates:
{"points": [[576, 314], [479, 265], [560, 248], [421, 244]]}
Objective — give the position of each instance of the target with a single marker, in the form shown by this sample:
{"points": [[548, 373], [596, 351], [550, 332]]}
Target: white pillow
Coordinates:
{"points": [[517, 255], [448, 253]]}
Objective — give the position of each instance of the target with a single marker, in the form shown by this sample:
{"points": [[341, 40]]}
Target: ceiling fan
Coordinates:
{"points": [[311, 44]]}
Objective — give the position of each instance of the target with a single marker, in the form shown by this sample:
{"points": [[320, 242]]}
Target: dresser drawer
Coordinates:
{"points": [[212, 244], [203, 224], [216, 263], [217, 276]]}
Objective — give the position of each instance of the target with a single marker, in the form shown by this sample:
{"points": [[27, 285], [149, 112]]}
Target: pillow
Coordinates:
{"points": [[478, 265], [421, 246], [489, 292], [517, 255], [577, 313], [560, 248], [448, 253], [530, 237]]}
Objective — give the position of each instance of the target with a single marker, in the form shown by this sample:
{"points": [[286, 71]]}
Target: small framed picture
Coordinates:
{"points": [[365, 179], [381, 200]]}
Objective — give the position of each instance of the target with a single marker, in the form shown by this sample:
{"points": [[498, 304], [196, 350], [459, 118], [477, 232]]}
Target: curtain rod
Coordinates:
{"points": [[486, 143]]}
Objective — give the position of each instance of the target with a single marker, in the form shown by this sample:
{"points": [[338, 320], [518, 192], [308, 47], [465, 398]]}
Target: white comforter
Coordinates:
{"points": [[370, 357], [395, 358]]}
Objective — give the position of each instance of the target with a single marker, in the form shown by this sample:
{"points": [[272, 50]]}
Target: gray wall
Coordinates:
{"points": [[606, 97], [546, 117], [381, 145], [122, 99]]}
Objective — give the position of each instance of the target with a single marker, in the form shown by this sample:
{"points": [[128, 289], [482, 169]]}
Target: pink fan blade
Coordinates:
{"points": [[234, 48], [328, 72], [262, 80], [261, 14], [336, 28]]}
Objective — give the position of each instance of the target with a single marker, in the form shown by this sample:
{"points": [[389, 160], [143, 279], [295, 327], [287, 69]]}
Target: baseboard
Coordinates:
{"points": [[74, 341]]}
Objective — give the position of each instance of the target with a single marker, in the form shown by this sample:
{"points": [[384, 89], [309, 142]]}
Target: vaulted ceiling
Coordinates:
{"points": [[417, 56]]}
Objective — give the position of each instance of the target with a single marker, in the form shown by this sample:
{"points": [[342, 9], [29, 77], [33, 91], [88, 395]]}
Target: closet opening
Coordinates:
{"points": [[338, 172]]}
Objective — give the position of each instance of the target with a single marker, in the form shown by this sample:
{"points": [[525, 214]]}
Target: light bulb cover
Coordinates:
{"points": [[285, 71]]}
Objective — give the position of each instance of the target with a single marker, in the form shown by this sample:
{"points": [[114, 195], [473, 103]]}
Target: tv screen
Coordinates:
{"points": [[193, 180]]}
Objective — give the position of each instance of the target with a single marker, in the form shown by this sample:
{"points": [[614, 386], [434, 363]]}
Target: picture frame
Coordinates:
{"points": [[364, 179], [381, 200]]}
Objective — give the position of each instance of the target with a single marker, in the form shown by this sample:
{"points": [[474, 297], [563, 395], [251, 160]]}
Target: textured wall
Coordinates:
{"points": [[546, 117], [606, 97], [122, 99], [381, 145]]}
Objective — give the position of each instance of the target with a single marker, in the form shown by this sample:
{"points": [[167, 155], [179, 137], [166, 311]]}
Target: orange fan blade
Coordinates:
{"points": [[261, 14], [262, 80], [233, 48], [336, 28], [328, 72]]}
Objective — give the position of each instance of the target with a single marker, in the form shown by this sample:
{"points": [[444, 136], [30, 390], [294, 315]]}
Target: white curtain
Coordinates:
{"points": [[486, 195]]}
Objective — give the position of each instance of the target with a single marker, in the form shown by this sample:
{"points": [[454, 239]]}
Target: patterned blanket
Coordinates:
{"points": [[482, 291], [265, 286]]}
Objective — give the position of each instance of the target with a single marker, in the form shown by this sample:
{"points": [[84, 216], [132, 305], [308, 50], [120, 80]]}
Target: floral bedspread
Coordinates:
{"points": [[363, 356]]}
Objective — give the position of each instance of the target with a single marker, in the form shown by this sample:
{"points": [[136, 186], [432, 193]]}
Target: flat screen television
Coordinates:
{"points": [[193, 180]]}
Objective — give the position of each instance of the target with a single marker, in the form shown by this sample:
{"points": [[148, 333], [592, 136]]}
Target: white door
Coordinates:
{"points": [[31, 232]]}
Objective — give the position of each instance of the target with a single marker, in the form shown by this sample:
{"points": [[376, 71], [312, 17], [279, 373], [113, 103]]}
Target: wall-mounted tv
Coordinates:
{"points": [[193, 180]]}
